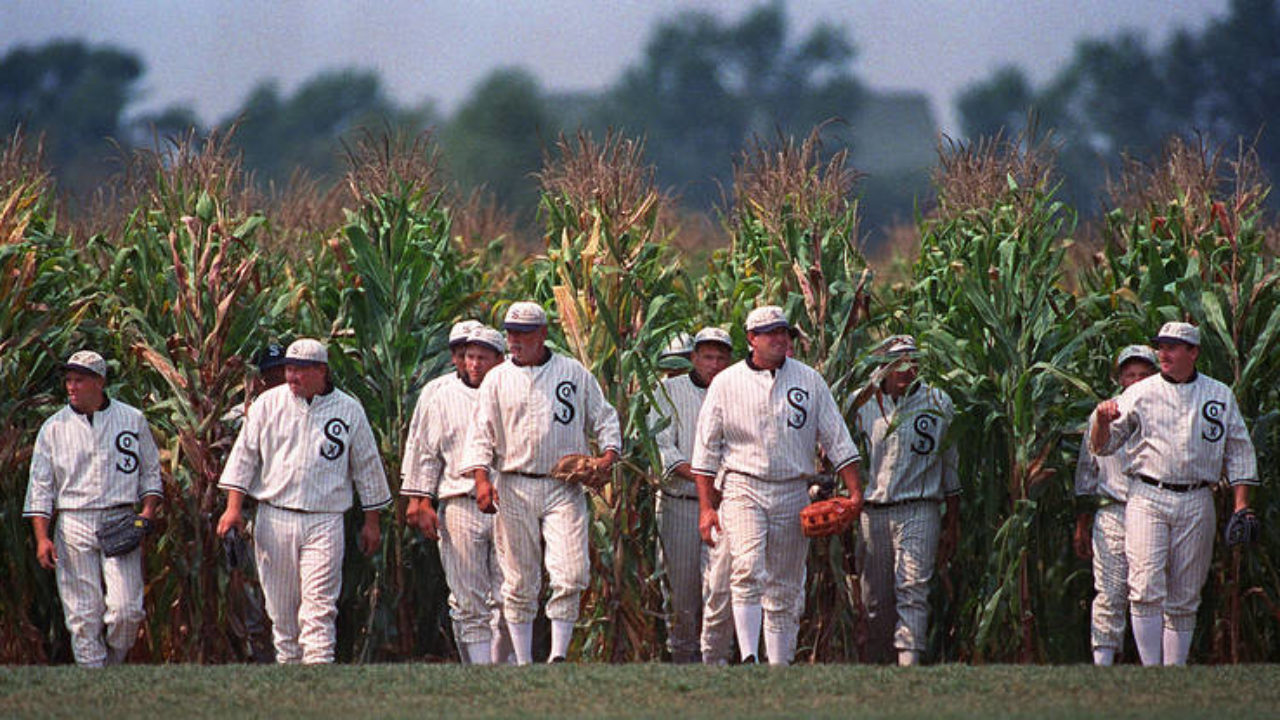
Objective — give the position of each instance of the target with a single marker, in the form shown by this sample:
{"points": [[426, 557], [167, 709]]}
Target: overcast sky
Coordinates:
{"points": [[210, 53]]}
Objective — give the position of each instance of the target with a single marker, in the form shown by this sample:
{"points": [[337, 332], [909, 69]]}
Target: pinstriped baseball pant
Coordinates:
{"points": [[1110, 578], [1169, 546], [717, 607], [532, 510], [897, 550], [82, 571], [299, 557], [680, 554], [470, 557], [762, 520]]}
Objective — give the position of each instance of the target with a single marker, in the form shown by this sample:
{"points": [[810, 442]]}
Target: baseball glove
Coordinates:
{"points": [[121, 535], [233, 549], [580, 469], [1243, 527], [833, 516]]}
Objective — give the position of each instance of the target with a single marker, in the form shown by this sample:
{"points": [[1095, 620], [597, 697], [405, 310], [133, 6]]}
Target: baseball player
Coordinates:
{"points": [[675, 357], [681, 553], [93, 460], [304, 446], [911, 474], [762, 422], [531, 412], [458, 335], [432, 479], [1102, 489], [1184, 433]]}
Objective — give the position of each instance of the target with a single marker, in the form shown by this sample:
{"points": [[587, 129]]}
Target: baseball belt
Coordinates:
{"points": [[1173, 487]]}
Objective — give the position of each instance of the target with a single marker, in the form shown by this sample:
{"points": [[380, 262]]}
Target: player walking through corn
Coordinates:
{"points": [[433, 478], [93, 462], [1185, 433], [911, 473], [763, 420], [530, 413], [304, 446], [1102, 489], [681, 553]]}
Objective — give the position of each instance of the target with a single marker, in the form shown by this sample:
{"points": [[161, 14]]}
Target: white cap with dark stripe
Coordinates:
{"points": [[87, 361]]}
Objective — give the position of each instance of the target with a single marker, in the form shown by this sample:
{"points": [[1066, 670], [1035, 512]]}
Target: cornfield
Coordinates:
{"points": [[183, 270]]}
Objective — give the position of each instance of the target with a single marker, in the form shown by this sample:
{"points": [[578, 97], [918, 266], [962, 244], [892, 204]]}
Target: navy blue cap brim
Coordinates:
{"points": [[305, 363], [522, 327], [771, 327], [81, 368], [1167, 340]]}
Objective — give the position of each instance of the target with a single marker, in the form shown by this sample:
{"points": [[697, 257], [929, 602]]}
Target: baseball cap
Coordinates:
{"points": [[524, 316], [87, 361], [306, 351], [268, 357], [1136, 352], [680, 345], [766, 318], [488, 337], [898, 345], [461, 331], [712, 334], [1178, 332]]}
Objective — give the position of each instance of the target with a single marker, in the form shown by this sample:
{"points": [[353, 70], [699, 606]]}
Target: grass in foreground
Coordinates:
{"points": [[602, 691]]}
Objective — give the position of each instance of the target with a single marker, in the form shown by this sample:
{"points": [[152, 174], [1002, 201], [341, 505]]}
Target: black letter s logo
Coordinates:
{"points": [[334, 429], [1212, 414], [796, 398], [925, 442], [564, 394], [127, 444]]}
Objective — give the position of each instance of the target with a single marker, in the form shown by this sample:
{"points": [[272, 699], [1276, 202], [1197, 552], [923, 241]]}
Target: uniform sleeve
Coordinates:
{"points": [[365, 466], [245, 461], [664, 411], [1122, 428], [1240, 462], [430, 458], [482, 436], [41, 487], [149, 481], [603, 417], [708, 445], [411, 482], [833, 433], [1086, 465]]}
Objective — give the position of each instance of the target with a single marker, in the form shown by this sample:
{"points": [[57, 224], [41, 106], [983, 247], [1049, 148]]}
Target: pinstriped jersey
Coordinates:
{"points": [[679, 400], [417, 428], [78, 465], [530, 416], [767, 424], [307, 456], [435, 468], [1183, 432], [908, 457], [1101, 475]]}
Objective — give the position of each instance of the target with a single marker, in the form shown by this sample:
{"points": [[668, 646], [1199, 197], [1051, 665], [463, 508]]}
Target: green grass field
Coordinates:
{"points": [[662, 691]]}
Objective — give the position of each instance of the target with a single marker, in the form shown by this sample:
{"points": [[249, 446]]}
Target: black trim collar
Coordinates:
{"points": [[1195, 375]]}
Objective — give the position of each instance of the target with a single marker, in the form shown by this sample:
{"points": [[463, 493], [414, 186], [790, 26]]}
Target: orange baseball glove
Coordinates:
{"points": [[580, 469], [828, 517]]}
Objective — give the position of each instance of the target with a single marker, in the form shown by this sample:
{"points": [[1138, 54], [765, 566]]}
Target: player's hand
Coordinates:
{"points": [[709, 520], [1083, 540], [230, 519], [486, 497], [370, 537], [46, 553], [948, 542], [428, 521], [1108, 411]]}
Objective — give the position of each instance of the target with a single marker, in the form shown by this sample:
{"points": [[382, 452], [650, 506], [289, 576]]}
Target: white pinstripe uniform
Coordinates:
{"points": [[527, 418], [681, 552], [468, 549], [1104, 478], [84, 472], [910, 471], [763, 427], [1186, 436], [300, 461], [717, 599]]}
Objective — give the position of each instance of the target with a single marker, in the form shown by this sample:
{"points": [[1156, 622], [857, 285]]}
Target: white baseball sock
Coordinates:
{"points": [[1104, 656], [479, 652], [522, 641], [1177, 645], [561, 636], [746, 619], [1148, 632], [908, 658], [775, 646]]}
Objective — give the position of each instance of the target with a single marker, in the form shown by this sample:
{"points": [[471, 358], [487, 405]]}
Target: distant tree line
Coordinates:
{"points": [[701, 91]]}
